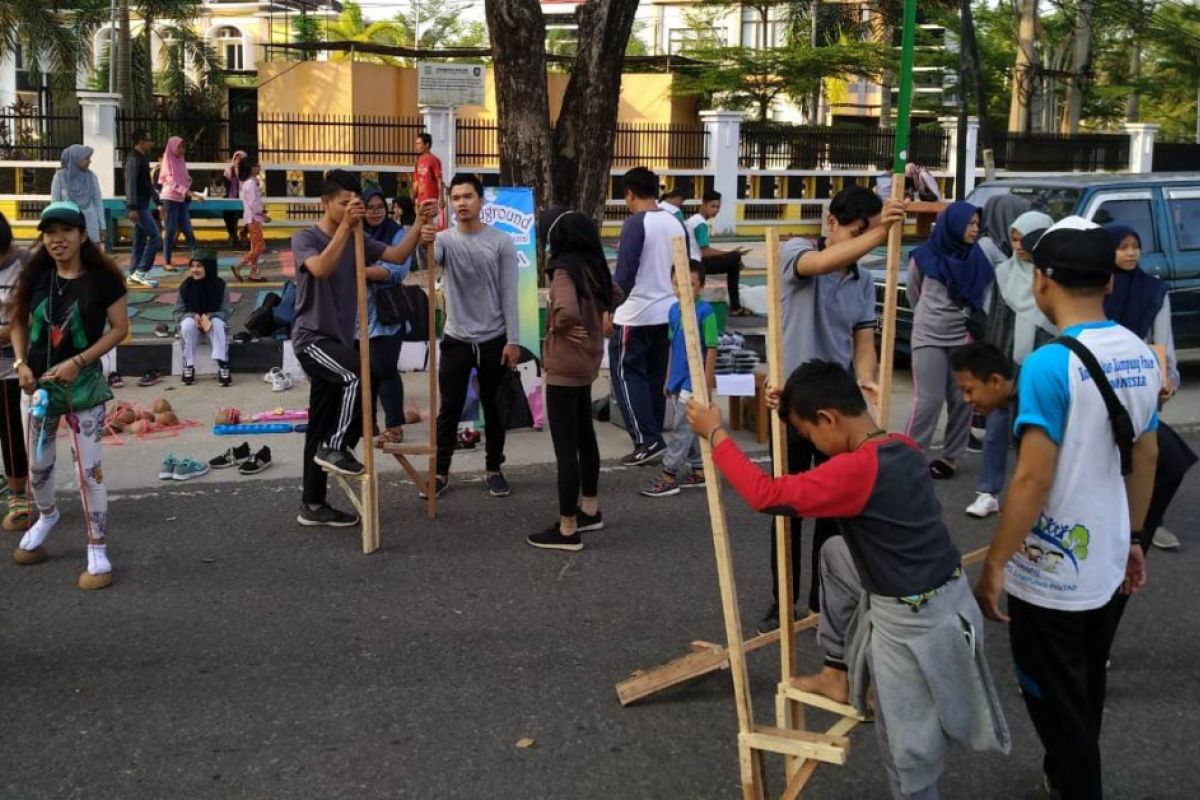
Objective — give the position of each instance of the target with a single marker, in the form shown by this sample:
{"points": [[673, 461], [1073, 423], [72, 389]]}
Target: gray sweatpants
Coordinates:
{"points": [[933, 386]]}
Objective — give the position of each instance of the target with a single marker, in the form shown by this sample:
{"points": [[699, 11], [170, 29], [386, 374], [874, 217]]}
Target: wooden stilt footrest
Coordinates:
{"points": [[808, 768], [803, 744], [406, 449], [352, 493], [792, 692]]}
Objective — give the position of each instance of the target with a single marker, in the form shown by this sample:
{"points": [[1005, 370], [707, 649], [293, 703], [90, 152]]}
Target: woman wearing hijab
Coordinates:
{"points": [[386, 339], [581, 293], [74, 181], [1016, 326], [233, 185], [949, 278], [1139, 302], [176, 191], [203, 307], [995, 234]]}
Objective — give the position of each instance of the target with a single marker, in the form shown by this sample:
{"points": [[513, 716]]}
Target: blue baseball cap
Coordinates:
{"points": [[63, 211]]}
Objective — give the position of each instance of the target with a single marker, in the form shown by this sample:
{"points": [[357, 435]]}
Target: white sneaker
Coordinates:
{"points": [[281, 383], [270, 376], [984, 506], [1165, 540]]}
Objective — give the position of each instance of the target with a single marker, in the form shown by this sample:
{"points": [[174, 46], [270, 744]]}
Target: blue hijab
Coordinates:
{"points": [[387, 230], [1137, 296], [964, 268]]}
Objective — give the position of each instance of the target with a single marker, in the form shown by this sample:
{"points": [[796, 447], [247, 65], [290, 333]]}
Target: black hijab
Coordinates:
{"points": [[1136, 296], [385, 232], [574, 245], [204, 296]]}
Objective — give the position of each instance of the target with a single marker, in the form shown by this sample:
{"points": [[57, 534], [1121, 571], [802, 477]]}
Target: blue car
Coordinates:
{"points": [[1164, 208]]}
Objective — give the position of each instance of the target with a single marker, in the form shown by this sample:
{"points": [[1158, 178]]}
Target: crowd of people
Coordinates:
{"points": [[1049, 328]]}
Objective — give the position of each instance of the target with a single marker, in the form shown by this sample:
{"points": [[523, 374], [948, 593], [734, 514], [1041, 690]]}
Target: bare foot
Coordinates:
{"points": [[829, 682]]}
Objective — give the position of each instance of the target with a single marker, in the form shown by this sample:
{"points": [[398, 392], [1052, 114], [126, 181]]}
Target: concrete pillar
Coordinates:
{"points": [[99, 111], [441, 124], [1141, 146], [950, 126], [8, 79], [724, 130], [972, 146]]}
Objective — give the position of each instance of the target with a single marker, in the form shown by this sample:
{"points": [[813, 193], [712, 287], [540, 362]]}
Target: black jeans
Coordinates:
{"points": [[802, 456], [386, 386], [727, 264], [12, 432], [334, 408], [569, 412], [1060, 659], [454, 373]]}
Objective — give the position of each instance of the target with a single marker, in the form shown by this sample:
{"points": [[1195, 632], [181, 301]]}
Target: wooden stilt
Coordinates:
{"points": [[749, 758], [891, 287], [368, 501]]}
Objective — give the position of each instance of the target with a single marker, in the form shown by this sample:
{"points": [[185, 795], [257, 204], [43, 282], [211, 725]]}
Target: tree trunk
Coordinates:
{"points": [[124, 58], [1081, 51], [522, 107], [147, 90], [586, 127], [981, 88], [1023, 70]]}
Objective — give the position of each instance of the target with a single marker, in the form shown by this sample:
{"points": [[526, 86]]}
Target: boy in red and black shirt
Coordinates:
{"points": [[894, 558]]}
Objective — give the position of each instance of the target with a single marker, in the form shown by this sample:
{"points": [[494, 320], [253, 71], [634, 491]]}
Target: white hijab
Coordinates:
{"points": [[1014, 279]]}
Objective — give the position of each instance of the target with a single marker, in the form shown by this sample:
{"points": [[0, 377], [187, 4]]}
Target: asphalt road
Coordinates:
{"points": [[239, 656]]}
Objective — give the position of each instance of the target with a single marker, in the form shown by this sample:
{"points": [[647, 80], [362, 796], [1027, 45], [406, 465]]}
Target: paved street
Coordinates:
{"points": [[239, 656]]}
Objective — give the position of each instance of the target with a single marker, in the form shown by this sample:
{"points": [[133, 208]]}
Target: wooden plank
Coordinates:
{"points": [[369, 503], [406, 449], [749, 760], [887, 345], [800, 779], [432, 366], [802, 744], [790, 690]]}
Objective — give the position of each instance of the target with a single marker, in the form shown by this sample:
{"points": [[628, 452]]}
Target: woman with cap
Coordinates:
{"points": [[75, 181], [1016, 326], [176, 192], [581, 293], [1139, 301], [949, 278], [203, 307], [68, 309]]}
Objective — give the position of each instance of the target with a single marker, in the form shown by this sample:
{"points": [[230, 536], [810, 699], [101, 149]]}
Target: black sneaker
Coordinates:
{"points": [[189, 375], [232, 457], [115, 381], [552, 539], [645, 454], [150, 378], [974, 445], [325, 516], [256, 463], [161, 331], [497, 486], [442, 485], [340, 461], [588, 522], [223, 376]]}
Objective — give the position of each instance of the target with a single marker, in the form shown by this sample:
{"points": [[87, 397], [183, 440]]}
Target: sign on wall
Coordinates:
{"points": [[510, 209], [450, 84]]}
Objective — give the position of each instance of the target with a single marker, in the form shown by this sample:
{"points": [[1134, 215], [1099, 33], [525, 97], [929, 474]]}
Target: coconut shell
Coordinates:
{"points": [[126, 416], [116, 426], [161, 405], [139, 427], [147, 415], [167, 418]]}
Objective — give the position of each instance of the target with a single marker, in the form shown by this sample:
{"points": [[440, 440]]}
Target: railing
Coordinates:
{"points": [[804, 147], [338, 139], [477, 141], [204, 139], [26, 135], [664, 146], [1052, 152], [1176, 157]]}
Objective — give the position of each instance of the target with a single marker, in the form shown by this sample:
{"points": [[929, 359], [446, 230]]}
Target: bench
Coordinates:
{"points": [[213, 208]]}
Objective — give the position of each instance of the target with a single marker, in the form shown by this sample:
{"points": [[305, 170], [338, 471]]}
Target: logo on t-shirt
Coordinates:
{"points": [[1051, 543]]}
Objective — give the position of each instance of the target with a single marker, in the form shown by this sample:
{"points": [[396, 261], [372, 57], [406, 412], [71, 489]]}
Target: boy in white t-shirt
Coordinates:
{"points": [[1064, 550]]}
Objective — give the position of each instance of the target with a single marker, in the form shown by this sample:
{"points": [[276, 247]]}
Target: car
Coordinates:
{"points": [[1163, 207]]}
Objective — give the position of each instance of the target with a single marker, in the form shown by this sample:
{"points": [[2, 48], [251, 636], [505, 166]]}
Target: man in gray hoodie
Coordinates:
{"points": [[479, 278]]}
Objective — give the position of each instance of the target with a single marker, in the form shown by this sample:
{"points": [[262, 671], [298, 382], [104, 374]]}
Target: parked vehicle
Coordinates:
{"points": [[1164, 208]]}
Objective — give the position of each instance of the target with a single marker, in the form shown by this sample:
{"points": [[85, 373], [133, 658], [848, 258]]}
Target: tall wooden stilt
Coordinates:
{"points": [[369, 481]]}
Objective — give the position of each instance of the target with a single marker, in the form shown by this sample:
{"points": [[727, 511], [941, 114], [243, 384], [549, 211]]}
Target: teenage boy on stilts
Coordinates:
{"points": [[1067, 545], [323, 335], [479, 278]]}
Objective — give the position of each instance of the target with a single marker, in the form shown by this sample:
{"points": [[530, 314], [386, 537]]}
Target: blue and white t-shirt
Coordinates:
{"points": [[1074, 558], [645, 267]]}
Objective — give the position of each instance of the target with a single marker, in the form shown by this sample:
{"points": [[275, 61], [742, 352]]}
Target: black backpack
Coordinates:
{"points": [[261, 321], [408, 305]]}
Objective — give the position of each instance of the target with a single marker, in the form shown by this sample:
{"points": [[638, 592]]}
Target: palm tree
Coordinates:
{"points": [[352, 26]]}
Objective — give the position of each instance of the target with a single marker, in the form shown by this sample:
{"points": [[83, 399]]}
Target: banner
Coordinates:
{"points": [[510, 209]]}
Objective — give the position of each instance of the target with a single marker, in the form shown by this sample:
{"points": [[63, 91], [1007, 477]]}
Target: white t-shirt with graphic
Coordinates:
{"points": [[1074, 558]]}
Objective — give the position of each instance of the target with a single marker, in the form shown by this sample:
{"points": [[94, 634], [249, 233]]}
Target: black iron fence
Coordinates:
{"points": [[1053, 152], [335, 138], [477, 141], [26, 134], [669, 146], [204, 139], [1176, 157], [808, 147]]}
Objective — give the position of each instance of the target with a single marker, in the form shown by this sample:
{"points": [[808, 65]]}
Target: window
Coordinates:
{"points": [[1057, 201], [228, 43], [680, 39], [1185, 218], [100, 45], [1136, 213], [752, 28]]}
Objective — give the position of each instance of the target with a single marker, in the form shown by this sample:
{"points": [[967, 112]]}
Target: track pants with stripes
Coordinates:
{"points": [[334, 409], [637, 365]]}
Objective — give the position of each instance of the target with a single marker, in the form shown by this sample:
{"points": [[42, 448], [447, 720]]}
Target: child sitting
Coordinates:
{"points": [[896, 609], [681, 462], [203, 306]]}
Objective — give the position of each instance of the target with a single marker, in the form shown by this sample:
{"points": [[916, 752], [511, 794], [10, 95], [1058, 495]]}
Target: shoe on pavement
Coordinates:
{"points": [[232, 457], [167, 471], [693, 481], [497, 485], [325, 516], [974, 445], [663, 486], [188, 468], [256, 463], [281, 382], [224, 377], [162, 331], [189, 375], [340, 461], [984, 506], [588, 522], [115, 381], [1163, 539], [271, 373], [142, 278], [552, 539], [442, 485], [645, 454], [150, 378]]}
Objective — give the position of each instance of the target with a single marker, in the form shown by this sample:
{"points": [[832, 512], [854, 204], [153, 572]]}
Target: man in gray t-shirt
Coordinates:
{"points": [[828, 306], [323, 334]]}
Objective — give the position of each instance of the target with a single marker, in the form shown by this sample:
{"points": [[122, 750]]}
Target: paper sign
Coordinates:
{"points": [[735, 385], [450, 84]]}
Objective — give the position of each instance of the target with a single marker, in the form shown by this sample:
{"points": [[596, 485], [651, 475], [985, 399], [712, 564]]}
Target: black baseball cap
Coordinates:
{"points": [[63, 211], [1072, 252]]}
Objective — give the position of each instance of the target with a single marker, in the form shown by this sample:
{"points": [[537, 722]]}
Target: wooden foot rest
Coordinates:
{"points": [[405, 449], [802, 744], [789, 690]]}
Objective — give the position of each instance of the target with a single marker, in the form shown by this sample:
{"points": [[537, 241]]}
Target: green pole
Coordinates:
{"points": [[904, 110]]}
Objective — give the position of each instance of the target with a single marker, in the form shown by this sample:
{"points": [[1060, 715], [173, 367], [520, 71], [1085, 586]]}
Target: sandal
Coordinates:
{"points": [[741, 312], [940, 469], [237, 273], [390, 436]]}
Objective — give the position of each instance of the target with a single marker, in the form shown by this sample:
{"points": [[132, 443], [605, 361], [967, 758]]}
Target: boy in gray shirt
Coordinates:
{"points": [[479, 275]]}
